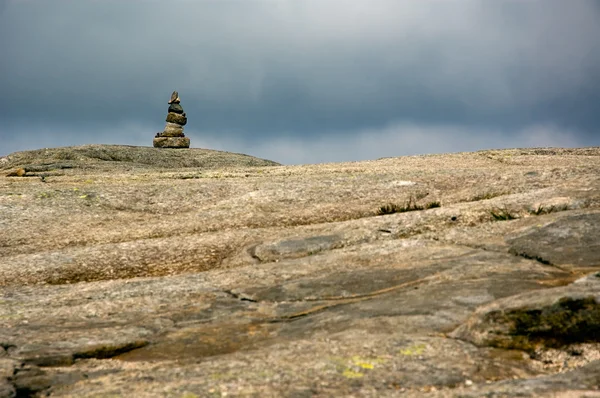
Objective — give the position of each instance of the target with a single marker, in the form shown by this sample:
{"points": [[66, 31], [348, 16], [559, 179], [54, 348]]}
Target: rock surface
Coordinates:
{"points": [[132, 271], [122, 159]]}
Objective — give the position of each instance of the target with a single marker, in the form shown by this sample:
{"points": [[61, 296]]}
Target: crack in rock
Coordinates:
{"points": [[239, 296], [100, 351]]}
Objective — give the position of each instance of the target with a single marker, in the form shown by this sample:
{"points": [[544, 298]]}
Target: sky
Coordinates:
{"points": [[302, 81]]}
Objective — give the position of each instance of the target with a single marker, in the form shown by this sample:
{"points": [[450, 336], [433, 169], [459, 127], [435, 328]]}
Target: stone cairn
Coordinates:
{"points": [[173, 136]]}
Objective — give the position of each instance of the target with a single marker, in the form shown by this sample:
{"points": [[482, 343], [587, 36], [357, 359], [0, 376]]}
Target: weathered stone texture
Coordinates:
{"points": [[177, 118], [568, 241], [174, 98], [171, 133], [171, 142], [144, 272], [176, 108], [173, 130]]}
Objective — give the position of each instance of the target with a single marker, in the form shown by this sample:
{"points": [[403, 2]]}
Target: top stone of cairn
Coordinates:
{"points": [[174, 98]]}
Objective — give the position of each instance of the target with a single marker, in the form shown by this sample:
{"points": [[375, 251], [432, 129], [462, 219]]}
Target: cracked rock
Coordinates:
{"points": [[572, 240]]}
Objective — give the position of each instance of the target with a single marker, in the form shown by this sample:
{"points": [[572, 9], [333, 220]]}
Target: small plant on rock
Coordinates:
{"points": [[189, 176], [541, 209], [391, 208], [503, 214], [432, 205], [485, 196]]}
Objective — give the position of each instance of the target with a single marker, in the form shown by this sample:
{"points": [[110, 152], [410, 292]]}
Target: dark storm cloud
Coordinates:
{"points": [[261, 70]]}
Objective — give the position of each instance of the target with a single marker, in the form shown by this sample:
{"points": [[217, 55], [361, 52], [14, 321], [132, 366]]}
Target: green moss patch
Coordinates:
{"points": [[567, 322]]}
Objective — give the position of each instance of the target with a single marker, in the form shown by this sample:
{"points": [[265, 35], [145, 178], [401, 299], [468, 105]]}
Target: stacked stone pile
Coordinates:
{"points": [[172, 136]]}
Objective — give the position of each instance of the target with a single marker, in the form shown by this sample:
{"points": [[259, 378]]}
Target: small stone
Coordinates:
{"points": [[171, 142], [170, 126], [177, 118], [172, 134], [172, 130], [174, 98], [176, 108]]}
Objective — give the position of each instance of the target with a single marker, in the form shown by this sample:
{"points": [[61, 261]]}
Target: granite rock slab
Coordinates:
{"points": [[148, 272]]}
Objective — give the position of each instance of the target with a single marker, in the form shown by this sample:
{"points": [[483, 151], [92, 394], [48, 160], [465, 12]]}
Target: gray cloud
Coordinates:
{"points": [[393, 140], [262, 72]]}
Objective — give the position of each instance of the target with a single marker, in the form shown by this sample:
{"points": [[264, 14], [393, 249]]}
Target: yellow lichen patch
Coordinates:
{"points": [[366, 363], [349, 373], [355, 366], [416, 349], [189, 395]]}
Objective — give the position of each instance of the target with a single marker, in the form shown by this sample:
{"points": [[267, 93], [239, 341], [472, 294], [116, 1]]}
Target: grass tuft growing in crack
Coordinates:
{"points": [[503, 214], [391, 208], [189, 176], [410, 205], [485, 196], [541, 209], [432, 205]]}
